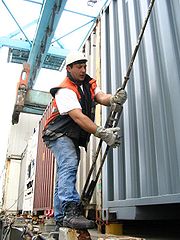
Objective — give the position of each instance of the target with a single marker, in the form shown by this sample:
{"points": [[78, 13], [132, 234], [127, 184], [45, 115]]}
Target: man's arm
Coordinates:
{"points": [[82, 120], [109, 135], [103, 98]]}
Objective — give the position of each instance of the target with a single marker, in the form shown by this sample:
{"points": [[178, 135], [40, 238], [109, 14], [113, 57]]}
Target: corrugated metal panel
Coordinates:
{"points": [[92, 52], [146, 168], [44, 178], [22, 178], [28, 167]]}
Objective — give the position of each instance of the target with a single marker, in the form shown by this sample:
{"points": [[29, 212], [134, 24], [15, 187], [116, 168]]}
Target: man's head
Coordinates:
{"points": [[76, 65]]}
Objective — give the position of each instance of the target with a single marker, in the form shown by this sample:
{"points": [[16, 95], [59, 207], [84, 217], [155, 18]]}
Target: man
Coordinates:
{"points": [[70, 126]]}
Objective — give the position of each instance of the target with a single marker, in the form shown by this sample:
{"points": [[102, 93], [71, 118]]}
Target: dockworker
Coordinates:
{"points": [[70, 125]]}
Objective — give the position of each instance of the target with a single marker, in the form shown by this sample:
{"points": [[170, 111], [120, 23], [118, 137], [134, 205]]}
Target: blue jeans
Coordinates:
{"points": [[67, 160]]}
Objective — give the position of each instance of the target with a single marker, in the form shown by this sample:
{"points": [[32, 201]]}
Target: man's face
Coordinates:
{"points": [[78, 71]]}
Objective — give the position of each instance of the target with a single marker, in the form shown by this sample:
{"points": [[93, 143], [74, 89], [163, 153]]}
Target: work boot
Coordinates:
{"points": [[74, 218]]}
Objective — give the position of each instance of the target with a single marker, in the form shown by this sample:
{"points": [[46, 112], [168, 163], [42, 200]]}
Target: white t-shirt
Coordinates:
{"points": [[66, 100]]}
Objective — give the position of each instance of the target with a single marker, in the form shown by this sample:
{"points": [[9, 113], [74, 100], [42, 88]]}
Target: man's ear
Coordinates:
{"points": [[68, 68]]}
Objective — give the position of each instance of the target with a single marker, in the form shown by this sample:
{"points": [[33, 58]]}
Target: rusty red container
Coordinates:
{"points": [[44, 179]]}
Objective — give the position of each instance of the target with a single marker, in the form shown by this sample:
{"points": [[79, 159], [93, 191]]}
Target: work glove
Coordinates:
{"points": [[109, 135], [119, 97]]}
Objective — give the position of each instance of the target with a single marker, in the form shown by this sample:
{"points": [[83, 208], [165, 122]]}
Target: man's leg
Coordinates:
{"points": [[67, 160], [67, 157]]}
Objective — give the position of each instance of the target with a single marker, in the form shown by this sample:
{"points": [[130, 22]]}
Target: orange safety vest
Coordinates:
{"points": [[67, 83], [57, 124]]}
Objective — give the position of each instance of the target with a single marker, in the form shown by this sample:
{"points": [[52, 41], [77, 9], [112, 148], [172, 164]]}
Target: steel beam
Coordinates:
{"points": [[24, 45], [51, 13]]}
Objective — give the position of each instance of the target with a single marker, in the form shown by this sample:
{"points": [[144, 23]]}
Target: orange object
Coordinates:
{"points": [[67, 83]]}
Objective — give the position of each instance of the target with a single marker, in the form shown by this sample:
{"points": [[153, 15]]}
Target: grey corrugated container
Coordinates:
{"points": [[92, 52], [143, 175]]}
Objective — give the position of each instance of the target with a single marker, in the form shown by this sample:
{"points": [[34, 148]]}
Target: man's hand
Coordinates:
{"points": [[119, 97], [109, 135]]}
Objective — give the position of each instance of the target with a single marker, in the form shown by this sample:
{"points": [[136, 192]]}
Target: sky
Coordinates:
{"points": [[22, 13]]}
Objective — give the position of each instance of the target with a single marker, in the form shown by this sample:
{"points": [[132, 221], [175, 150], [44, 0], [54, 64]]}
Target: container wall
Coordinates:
{"points": [[92, 52], [11, 185], [22, 181], [28, 167], [44, 176], [14, 178], [145, 169]]}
